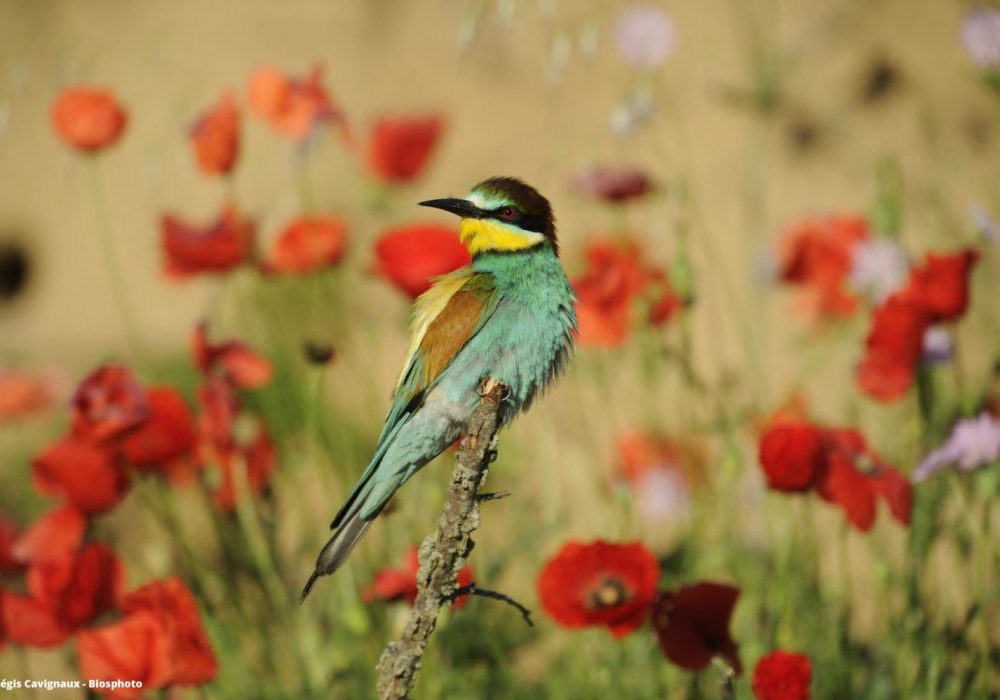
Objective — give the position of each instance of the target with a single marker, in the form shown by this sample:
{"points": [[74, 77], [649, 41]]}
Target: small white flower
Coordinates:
{"points": [[878, 268]]}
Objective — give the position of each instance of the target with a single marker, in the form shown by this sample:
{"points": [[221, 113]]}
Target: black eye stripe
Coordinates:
{"points": [[529, 222]]}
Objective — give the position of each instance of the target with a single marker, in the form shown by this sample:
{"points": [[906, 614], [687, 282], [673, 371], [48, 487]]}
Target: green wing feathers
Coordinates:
{"points": [[438, 338]]}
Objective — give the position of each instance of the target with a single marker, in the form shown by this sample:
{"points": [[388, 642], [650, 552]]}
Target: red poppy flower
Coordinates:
{"points": [[293, 107], [78, 586], [599, 584], [3, 633], [895, 489], [88, 118], [392, 584], [216, 137], [22, 395], [893, 348], [817, 257], [602, 325], [172, 604], [790, 454], [844, 485], [693, 625], [8, 536], [107, 404], [135, 648], [396, 584], [63, 594], [31, 622], [665, 303], [82, 474], [190, 250], [411, 256], [400, 146], [604, 293], [782, 675], [941, 284], [616, 275], [613, 183], [796, 456], [848, 451], [219, 407], [233, 360], [308, 244], [258, 458], [938, 290], [167, 435], [56, 533]]}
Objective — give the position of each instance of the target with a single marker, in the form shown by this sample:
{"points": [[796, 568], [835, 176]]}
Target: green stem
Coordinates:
{"points": [[254, 536], [980, 539], [726, 675], [112, 262], [155, 498], [24, 665]]}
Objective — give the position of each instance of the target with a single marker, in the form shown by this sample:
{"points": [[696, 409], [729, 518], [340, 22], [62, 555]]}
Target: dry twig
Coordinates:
{"points": [[444, 553], [726, 676]]}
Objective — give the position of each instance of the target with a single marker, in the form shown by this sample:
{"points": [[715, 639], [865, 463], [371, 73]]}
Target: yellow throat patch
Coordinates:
{"points": [[482, 234]]}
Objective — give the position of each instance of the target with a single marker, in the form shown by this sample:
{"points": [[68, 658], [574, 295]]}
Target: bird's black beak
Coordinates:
{"points": [[462, 207]]}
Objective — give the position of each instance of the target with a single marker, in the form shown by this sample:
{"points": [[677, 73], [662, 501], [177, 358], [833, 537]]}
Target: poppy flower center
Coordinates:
{"points": [[608, 593]]}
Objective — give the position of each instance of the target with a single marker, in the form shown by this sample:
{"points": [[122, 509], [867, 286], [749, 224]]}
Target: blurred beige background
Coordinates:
{"points": [[528, 88]]}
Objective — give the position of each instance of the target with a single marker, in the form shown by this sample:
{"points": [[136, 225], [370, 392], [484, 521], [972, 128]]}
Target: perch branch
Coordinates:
{"points": [[726, 676], [474, 589], [443, 554]]}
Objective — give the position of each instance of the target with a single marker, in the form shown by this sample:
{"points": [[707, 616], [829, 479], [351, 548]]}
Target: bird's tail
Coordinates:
{"points": [[335, 552], [355, 516]]}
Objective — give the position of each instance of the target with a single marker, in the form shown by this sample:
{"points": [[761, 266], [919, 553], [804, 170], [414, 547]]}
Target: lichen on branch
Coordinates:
{"points": [[444, 553]]}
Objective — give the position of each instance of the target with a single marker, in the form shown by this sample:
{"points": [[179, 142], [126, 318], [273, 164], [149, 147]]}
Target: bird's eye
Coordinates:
{"points": [[507, 212]]}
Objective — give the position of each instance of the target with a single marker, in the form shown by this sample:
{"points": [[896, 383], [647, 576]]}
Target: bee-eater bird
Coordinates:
{"points": [[507, 316]]}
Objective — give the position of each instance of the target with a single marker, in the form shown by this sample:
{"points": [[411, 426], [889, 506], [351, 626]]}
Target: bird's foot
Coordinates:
{"points": [[494, 390]]}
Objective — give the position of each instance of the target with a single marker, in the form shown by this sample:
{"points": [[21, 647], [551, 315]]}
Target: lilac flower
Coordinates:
{"points": [[984, 223], [645, 36], [878, 268], [973, 443], [981, 36], [939, 346]]}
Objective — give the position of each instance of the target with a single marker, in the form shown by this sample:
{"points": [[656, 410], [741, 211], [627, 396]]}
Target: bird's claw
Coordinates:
{"points": [[493, 389]]}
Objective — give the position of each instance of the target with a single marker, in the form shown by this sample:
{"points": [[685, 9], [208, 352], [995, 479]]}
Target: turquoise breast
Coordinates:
{"points": [[529, 338]]}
